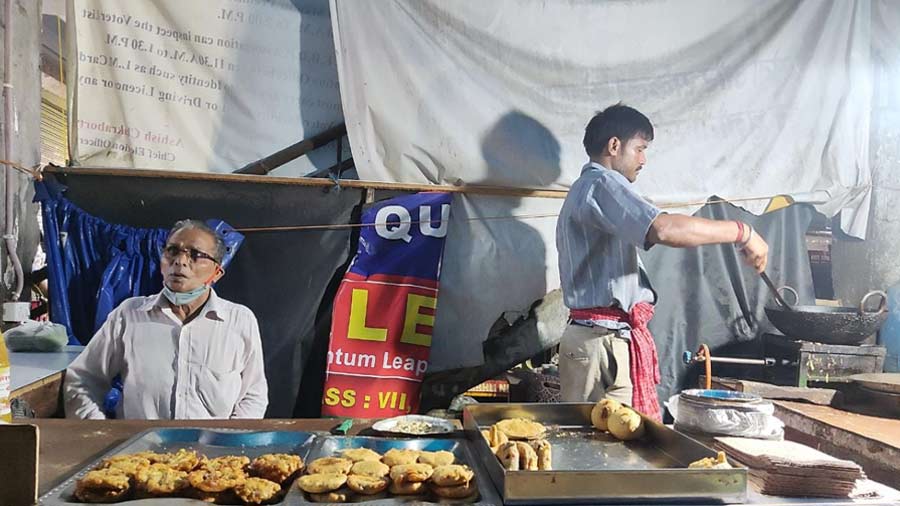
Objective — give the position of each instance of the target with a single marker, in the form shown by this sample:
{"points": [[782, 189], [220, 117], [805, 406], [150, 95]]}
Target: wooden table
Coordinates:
{"points": [[37, 378]]}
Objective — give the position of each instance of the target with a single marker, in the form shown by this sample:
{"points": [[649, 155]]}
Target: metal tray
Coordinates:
{"points": [[212, 443], [328, 446], [309, 446], [593, 467]]}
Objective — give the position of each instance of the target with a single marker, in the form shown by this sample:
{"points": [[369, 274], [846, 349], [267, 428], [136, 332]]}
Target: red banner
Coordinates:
{"points": [[382, 323]]}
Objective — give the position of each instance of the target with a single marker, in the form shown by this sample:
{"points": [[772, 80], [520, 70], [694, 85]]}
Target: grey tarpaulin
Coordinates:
{"points": [[705, 294], [708, 295], [281, 276]]}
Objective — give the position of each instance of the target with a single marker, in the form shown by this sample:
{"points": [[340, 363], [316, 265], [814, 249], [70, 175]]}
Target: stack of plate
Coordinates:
{"points": [[786, 468]]}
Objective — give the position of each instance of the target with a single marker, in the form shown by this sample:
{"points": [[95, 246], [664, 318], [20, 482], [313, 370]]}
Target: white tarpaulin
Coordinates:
{"points": [[749, 98], [204, 85]]}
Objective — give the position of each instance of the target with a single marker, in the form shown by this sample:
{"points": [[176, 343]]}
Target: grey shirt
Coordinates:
{"points": [[601, 225]]}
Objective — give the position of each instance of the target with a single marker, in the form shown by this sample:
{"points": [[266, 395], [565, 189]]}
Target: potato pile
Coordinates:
{"points": [[230, 479], [361, 474], [519, 445], [621, 421]]}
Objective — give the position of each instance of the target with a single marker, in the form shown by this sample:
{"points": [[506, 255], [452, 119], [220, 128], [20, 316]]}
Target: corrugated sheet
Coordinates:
{"points": [[54, 134]]}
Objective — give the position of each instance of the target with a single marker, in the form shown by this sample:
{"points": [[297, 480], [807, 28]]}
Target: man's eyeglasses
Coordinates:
{"points": [[171, 252]]}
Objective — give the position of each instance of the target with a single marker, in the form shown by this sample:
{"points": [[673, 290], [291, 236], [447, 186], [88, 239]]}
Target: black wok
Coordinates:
{"points": [[829, 325]]}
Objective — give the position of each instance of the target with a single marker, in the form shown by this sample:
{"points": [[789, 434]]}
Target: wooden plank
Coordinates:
{"points": [[304, 181], [821, 396], [872, 442], [44, 396], [19, 470]]}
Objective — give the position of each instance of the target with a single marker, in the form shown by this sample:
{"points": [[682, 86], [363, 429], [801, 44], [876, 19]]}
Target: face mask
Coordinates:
{"points": [[182, 298]]}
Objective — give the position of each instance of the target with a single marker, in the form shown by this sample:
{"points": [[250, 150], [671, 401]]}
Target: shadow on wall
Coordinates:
{"points": [[501, 259]]}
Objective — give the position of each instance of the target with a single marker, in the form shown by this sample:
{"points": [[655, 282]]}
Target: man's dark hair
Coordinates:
{"points": [[180, 225], [617, 120]]}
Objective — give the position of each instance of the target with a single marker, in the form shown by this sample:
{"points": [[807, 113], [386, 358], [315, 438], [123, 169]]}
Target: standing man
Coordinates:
{"points": [[607, 350], [184, 353]]}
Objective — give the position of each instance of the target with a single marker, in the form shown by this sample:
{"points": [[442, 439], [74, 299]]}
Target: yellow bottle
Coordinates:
{"points": [[5, 413]]}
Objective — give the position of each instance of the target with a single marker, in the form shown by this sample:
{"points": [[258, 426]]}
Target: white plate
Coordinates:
{"points": [[396, 425]]}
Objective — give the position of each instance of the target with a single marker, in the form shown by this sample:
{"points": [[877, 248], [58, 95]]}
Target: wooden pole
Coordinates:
{"points": [[265, 165]]}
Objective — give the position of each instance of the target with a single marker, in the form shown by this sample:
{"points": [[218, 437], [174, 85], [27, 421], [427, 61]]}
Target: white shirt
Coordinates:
{"points": [[211, 367]]}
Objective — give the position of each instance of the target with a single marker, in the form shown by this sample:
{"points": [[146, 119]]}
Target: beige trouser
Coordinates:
{"points": [[593, 364]]}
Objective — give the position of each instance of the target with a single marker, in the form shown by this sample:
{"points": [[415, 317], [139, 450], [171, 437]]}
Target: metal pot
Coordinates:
{"points": [[829, 325]]}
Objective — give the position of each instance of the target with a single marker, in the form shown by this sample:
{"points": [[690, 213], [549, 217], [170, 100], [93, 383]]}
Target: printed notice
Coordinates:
{"points": [[205, 85]]}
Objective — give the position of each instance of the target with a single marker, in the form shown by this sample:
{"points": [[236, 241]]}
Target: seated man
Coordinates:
{"points": [[182, 353]]}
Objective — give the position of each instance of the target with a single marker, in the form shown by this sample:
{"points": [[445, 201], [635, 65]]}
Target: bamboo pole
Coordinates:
{"points": [[265, 165], [365, 185]]}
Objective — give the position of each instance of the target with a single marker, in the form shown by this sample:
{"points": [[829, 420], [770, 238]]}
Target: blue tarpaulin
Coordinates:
{"points": [[94, 265]]}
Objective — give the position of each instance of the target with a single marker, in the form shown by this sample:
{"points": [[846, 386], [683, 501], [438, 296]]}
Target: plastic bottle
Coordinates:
{"points": [[5, 413]]}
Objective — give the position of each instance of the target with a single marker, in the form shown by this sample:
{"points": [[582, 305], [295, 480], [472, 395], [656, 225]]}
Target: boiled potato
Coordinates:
{"points": [[625, 424], [601, 411]]}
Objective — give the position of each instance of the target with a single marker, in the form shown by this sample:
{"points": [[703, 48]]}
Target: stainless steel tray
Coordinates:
{"points": [[593, 467], [212, 443], [328, 446], [217, 442]]}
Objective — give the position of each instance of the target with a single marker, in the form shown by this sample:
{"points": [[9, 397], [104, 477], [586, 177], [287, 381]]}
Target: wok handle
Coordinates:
{"points": [[792, 292], [882, 307]]}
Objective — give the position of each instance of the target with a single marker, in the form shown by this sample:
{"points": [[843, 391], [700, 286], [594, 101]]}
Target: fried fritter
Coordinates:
{"points": [[360, 454], [520, 428], [452, 475], [319, 483], [182, 460], [367, 485], [626, 424], [330, 465], [239, 462], [496, 437], [397, 456], [103, 485], [370, 468], [223, 497], [277, 467], [153, 457], [457, 491], [508, 454], [128, 464], [435, 459], [528, 459], [216, 480], [411, 473], [406, 487], [720, 462], [544, 455], [160, 480], [337, 496], [258, 491]]}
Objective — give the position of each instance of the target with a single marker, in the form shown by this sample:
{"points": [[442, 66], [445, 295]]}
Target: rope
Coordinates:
{"points": [[62, 77], [340, 226], [35, 172], [343, 226]]}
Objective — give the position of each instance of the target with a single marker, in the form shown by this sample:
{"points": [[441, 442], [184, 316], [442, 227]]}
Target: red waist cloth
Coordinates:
{"points": [[642, 352]]}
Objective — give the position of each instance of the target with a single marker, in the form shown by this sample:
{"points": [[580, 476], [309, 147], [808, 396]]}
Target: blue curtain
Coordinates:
{"points": [[93, 265]]}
